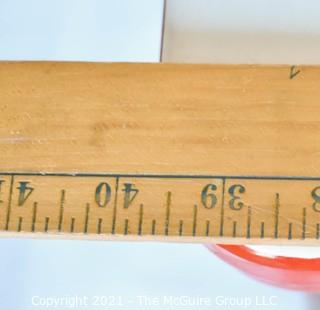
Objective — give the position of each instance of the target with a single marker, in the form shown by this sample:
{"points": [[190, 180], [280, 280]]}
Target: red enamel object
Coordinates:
{"points": [[287, 272]]}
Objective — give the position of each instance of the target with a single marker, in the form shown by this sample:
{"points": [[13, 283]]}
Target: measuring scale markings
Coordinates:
{"points": [[146, 205]]}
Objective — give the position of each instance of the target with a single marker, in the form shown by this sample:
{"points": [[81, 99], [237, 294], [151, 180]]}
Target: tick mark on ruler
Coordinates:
{"points": [[195, 215], [114, 216], [126, 226], [153, 227], [180, 228], [222, 208], [290, 231], [167, 220], [249, 222], [207, 228], [62, 199], [99, 225], [234, 229], [46, 225], [276, 216], [72, 224], [34, 216], [20, 224], [9, 203], [262, 230], [140, 220], [86, 219], [1, 182], [304, 222]]}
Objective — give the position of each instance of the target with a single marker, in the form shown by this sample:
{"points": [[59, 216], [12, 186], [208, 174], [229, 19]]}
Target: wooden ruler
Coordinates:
{"points": [[199, 153]]}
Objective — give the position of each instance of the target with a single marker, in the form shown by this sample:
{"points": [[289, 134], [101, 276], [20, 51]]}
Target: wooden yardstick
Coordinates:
{"points": [[199, 153]]}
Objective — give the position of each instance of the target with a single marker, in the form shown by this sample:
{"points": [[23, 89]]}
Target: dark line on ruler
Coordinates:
{"points": [[276, 216], [249, 222], [61, 209], [262, 230], [207, 228], [99, 225], [195, 215], [86, 221], [126, 226], [165, 176], [46, 224], [20, 223], [72, 224], [167, 221], [114, 216], [304, 222], [1, 182], [317, 231], [9, 203], [140, 220], [290, 231], [34, 216], [153, 227], [180, 227], [234, 229], [222, 208]]}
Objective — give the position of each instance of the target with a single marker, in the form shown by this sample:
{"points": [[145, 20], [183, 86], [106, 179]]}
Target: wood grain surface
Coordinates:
{"points": [[234, 121]]}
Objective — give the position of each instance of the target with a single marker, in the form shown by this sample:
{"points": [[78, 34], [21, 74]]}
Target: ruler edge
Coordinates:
{"points": [[151, 238]]}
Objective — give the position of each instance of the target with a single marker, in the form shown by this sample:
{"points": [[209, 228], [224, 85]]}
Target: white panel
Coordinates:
{"points": [[246, 31], [95, 30]]}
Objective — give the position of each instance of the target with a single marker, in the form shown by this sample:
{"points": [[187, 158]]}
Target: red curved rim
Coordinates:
{"points": [[287, 272], [282, 262]]}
